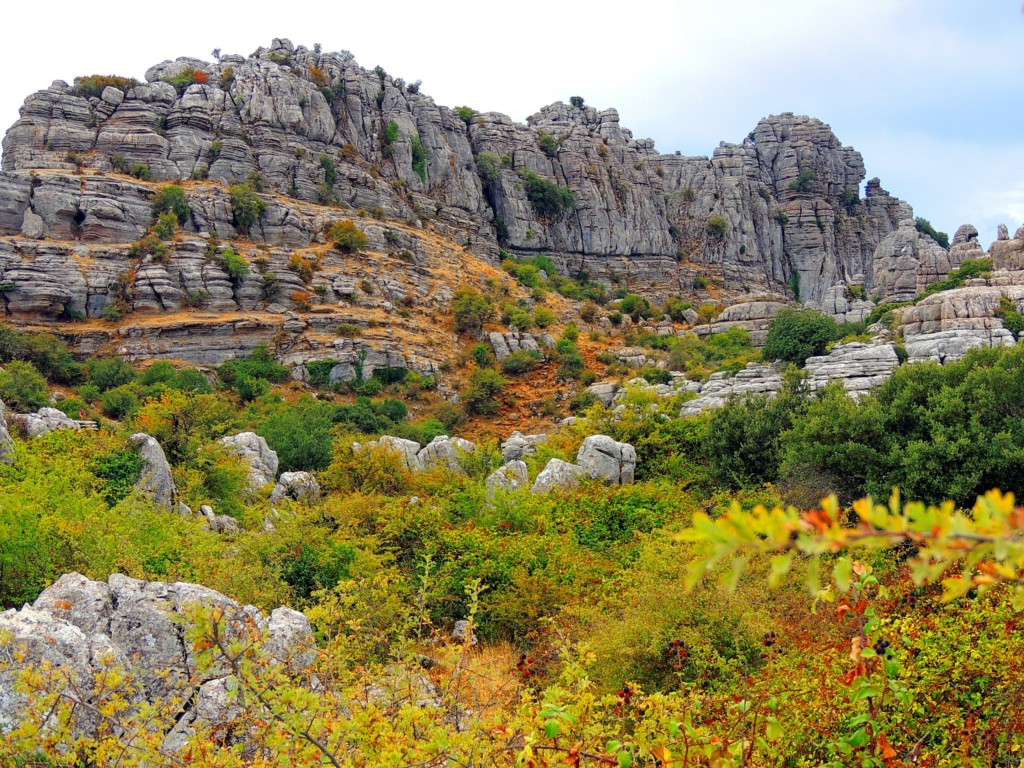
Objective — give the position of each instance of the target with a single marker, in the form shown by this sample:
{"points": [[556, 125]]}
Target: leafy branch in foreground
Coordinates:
{"points": [[986, 545]]}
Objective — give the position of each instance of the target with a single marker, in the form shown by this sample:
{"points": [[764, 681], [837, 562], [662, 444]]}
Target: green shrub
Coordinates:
{"points": [[717, 227], [46, 352], [260, 364], [92, 86], [547, 198], [119, 471], [119, 403], [485, 385], [235, 265], [519, 319], [250, 388], [347, 236], [543, 317], [165, 225], [171, 199], [465, 114], [419, 158], [1012, 318], [488, 166], [330, 173], [109, 372], [635, 306], [548, 144], [925, 227], [300, 432], [140, 171], [246, 207], [520, 361], [805, 182], [795, 335], [22, 387], [482, 356], [472, 310]]}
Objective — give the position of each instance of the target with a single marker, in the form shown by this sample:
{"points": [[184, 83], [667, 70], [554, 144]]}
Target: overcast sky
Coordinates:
{"points": [[931, 92]]}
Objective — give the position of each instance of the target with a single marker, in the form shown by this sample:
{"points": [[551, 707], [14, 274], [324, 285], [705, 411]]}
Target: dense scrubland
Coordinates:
{"points": [[672, 621]]}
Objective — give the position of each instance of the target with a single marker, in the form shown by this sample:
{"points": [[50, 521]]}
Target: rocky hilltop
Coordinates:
{"points": [[439, 192]]}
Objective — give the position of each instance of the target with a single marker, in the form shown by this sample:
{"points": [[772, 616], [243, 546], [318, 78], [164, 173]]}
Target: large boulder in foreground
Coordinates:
{"points": [[261, 459], [81, 627], [602, 458]]}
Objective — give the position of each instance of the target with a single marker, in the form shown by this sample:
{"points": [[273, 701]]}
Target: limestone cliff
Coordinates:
{"points": [[324, 139]]}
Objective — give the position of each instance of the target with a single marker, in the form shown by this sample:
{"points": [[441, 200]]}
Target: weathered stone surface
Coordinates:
{"points": [[602, 458], [1008, 253], [507, 478], [407, 449], [462, 632], [604, 392], [859, 366], [755, 379], [225, 524], [253, 448], [519, 445], [907, 261], [156, 480], [6, 441], [753, 317], [557, 475], [945, 326], [444, 451], [79, 626], [46, 420], [301, 486]]}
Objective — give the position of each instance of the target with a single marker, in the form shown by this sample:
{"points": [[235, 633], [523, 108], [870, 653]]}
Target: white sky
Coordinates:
{"points": [[931, 92]]}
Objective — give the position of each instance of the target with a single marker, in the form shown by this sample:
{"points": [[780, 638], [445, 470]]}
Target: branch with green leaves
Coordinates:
{"points": [[965, 550]]}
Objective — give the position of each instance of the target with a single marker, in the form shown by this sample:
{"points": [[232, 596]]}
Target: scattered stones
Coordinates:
{"points": [[218, 523], [253, 448]]}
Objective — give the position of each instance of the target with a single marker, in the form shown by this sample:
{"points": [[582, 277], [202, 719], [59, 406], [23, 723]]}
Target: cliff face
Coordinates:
{"points": [[324, 138]]}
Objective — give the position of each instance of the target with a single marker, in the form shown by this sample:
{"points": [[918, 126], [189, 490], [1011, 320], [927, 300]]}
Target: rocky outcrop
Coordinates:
{"points": [[557, 475], [518, 446], [507, 478], [44, 421], [80, 627], [156, 480], [300, 486], [602, 458], [945, 326], [1007, 253], [755, 379], [6, 442], [859, 366], [253, 449], [444, 451], [312, 127], [505, 344], [754, 317], [224, 524], [907, 261]]}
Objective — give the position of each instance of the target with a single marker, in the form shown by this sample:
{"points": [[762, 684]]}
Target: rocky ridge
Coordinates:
{"points": [[326, 139]]}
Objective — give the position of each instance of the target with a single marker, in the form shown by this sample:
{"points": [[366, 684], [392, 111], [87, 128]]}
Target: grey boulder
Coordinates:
{"points": [[156, 480], [602, 458], [254, 450], [300, 486], [557, 475]]}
